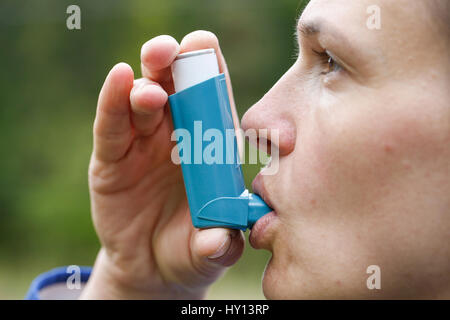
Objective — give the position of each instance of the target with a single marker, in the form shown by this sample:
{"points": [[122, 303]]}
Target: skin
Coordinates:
{"points": [[366, 152], [150, 250], [363, 179]]}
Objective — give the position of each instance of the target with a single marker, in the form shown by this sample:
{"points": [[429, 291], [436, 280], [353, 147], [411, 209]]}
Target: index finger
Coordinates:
{"points": [[202, 39], [157, 55]]}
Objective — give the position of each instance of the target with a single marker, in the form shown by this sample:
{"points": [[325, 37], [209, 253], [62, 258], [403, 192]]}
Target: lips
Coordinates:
{"points": [[260, 234]]}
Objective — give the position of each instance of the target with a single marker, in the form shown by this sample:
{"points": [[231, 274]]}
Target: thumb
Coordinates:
{"points": [[216, 247]]}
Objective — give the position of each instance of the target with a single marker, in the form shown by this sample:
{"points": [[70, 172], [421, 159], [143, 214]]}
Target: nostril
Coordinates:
{"points": [[263, 143]]}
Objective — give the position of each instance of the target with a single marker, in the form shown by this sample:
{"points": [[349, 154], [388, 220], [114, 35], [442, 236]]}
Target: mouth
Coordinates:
{"points": [[261, 233], [260, 189]]}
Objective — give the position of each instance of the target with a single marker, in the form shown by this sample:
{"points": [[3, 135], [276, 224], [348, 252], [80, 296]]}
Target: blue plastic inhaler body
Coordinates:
{"points": [[215, 191]]}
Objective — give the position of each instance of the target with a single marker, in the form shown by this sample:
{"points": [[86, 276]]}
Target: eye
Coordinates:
{"points": [[328, 62], [332, 65]]}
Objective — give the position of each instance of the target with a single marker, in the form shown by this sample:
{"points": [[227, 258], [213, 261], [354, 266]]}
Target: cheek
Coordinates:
{"points": [[334, 193], [356, 152], [344, 186]]}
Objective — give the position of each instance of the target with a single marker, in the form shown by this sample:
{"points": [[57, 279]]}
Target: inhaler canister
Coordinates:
{"points": [[193, 67], [216, 191]]}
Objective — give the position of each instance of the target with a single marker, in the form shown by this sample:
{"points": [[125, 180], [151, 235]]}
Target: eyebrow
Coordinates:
{"points": [[311, 28], [335, 38], [307, 29]]}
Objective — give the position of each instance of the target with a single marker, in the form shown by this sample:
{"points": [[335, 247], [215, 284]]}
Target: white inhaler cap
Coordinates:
{"points": [[193, 67]]}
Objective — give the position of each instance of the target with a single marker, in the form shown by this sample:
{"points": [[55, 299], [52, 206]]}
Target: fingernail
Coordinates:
{"points": [[223, 248]]}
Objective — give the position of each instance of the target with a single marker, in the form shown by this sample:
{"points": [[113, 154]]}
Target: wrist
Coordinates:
{"points": [[110, 282]]}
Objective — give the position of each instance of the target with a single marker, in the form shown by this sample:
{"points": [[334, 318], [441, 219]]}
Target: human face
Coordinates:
{"points": [[364, 145]]}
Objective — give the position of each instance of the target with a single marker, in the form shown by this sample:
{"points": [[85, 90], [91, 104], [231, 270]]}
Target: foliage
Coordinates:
{"points": [[49, 81]]}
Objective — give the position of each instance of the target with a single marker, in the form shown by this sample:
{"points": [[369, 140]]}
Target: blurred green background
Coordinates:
{"points": [[49, 81]]}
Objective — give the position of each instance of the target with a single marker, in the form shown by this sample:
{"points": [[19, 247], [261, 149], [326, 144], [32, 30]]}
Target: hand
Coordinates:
{"points": [[150, 250]]}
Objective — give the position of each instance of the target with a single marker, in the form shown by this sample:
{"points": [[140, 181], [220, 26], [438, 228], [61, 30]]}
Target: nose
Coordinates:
{"points": [[275, 111]]}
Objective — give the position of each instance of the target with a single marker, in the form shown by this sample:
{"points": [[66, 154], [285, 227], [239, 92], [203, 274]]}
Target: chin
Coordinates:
{"points": [[280, 283], [275, 284], [269, 282]]}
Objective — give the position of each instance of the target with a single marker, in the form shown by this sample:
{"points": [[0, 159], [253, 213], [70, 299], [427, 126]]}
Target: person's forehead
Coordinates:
{"points": [[333, 17], [359, 9], [406, 28], [353, 17], [319, 12]]}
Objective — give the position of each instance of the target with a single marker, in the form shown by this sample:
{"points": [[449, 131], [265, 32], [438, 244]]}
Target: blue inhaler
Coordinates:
{"points": [[215, 189]]}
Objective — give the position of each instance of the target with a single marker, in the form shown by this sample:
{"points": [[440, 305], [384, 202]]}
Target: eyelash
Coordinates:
{"points": [[332, 64]]}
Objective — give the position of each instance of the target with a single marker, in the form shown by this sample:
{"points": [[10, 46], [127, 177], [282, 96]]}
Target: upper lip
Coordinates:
{"points": [[260, 189]]}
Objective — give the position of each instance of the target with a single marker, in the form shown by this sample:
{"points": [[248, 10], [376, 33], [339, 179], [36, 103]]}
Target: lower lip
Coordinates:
{"points": [[258, 234]]}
